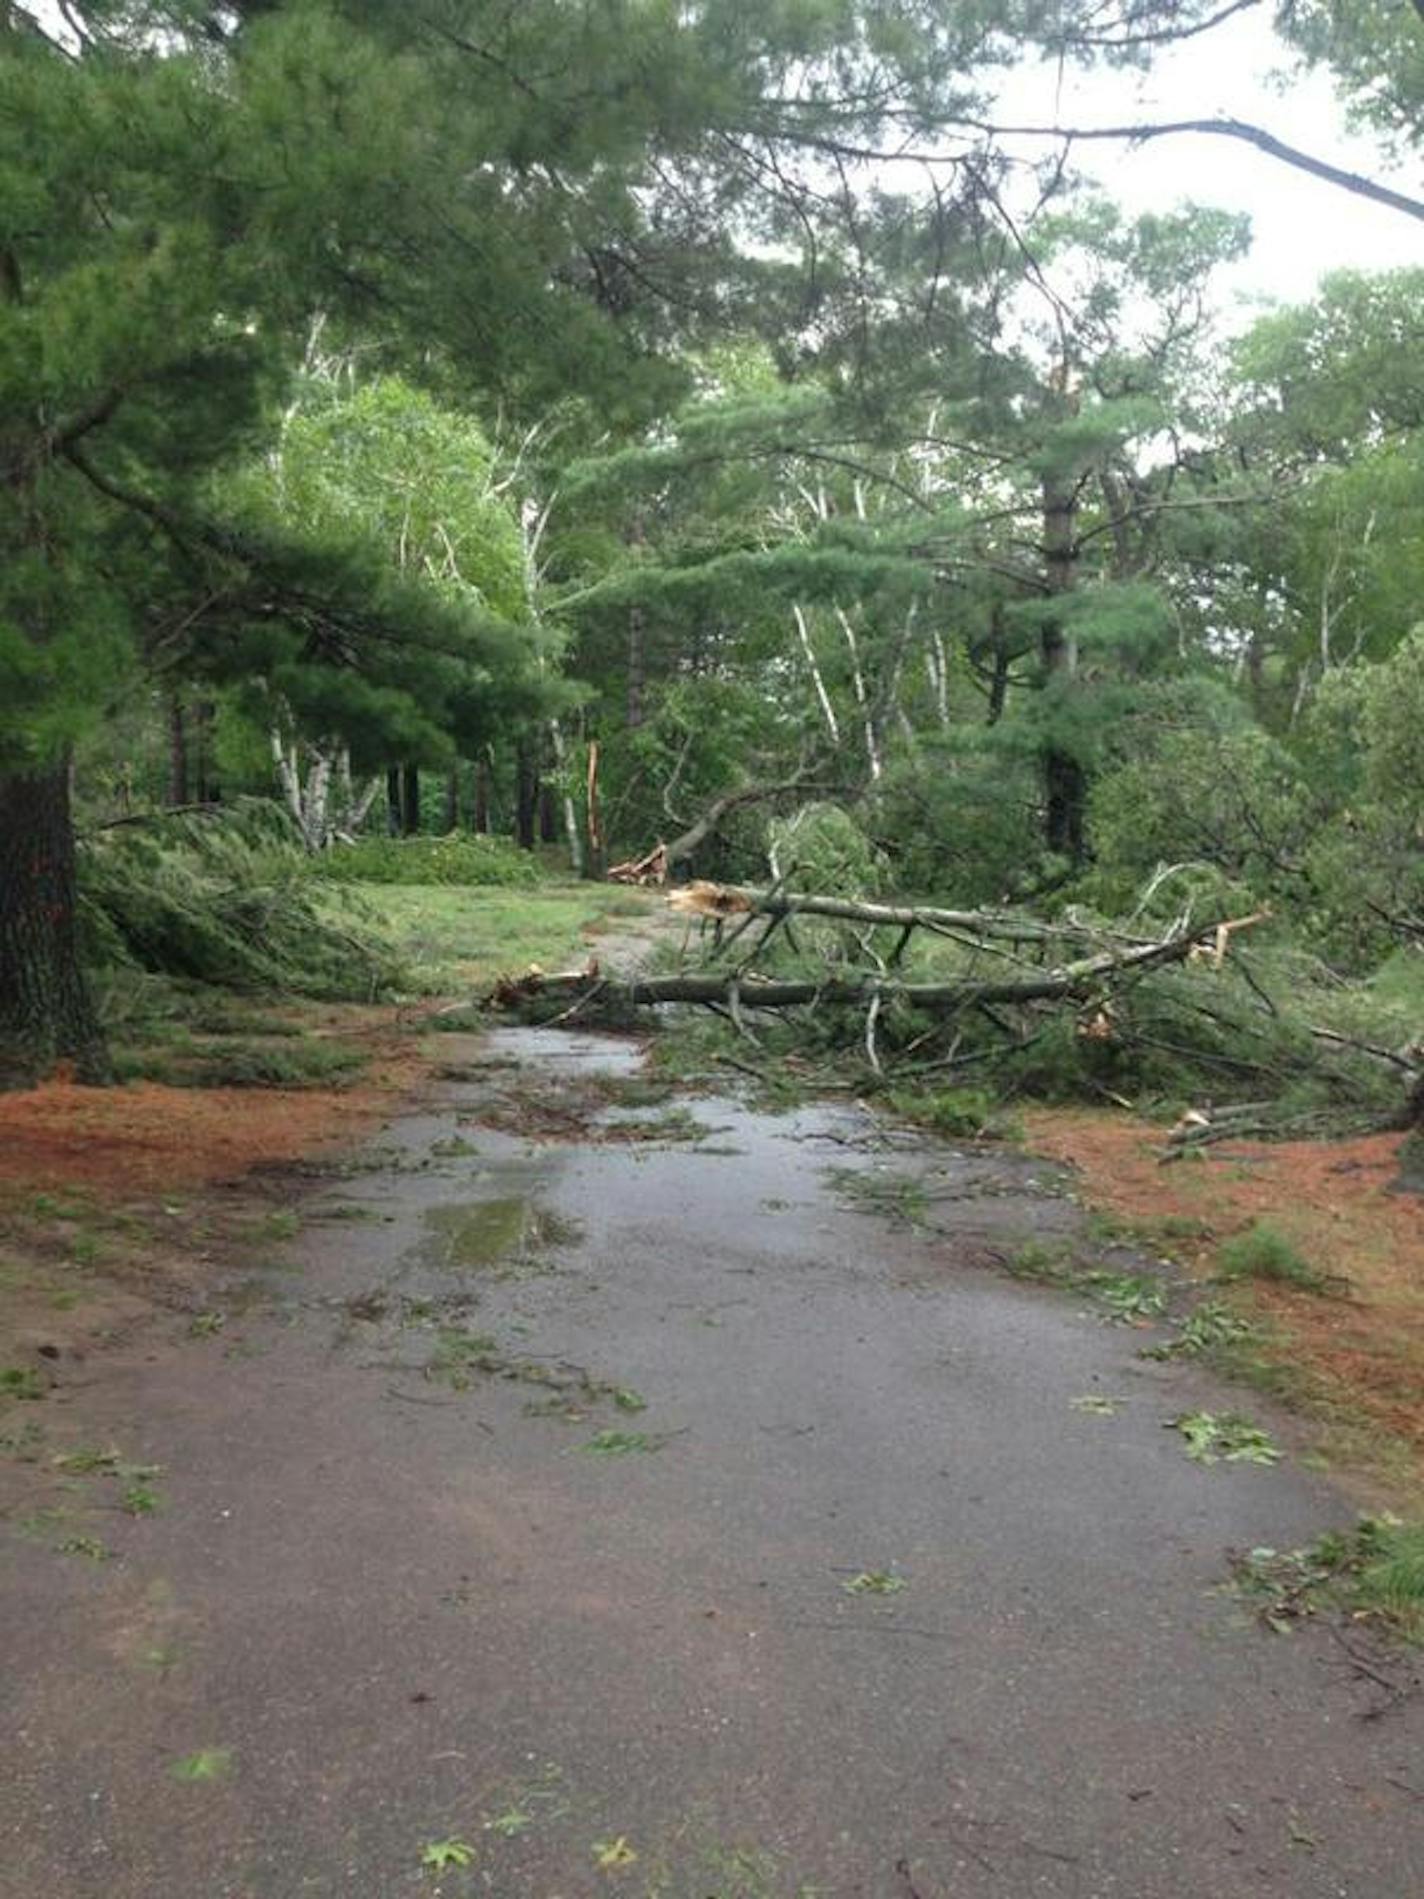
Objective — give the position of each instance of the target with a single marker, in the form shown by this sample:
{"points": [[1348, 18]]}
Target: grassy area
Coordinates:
{"points": [[455, 939]]}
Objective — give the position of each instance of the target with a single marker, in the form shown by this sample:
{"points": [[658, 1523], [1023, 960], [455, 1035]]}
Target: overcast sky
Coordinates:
{"points": [[1302, 226]]}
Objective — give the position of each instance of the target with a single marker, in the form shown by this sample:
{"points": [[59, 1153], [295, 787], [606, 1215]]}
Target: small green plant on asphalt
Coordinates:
{"points": [[23, 1442], [1096, 1407], [89, 1547], [874, 1582], [627, 1399], [1224, 1438], [1211, 1326], [674, 1124], [208, 1763], [88, 1459], [510, 1824], [619, 1443], [1373, 1572], [1049, 1263], [1263, 1252], [458, 1353], [206, 1325], [898, 1196], [22, 1381], [612, 1855], [438, 1856], [1126, 1296], [140, 1500]]}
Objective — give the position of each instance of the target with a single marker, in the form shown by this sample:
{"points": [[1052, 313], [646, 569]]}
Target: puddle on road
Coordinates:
{"points": [[474, 1233]]}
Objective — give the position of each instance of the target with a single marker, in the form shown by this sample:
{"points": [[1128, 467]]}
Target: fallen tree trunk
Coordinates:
{"points": [[1078, 980], [727, 900]]}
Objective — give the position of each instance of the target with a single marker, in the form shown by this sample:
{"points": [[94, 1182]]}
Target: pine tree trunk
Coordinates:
{"points": [[177, 752], [548, 815], [393, 801], [452, 800], [482, 796], [1065, 783], [45, 1012], [637, 667], [526, 794], [637, 642], [205, 786], [410, 800]]}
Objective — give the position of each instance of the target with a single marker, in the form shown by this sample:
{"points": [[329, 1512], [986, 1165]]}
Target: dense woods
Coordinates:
{"points": [[626, 424]]}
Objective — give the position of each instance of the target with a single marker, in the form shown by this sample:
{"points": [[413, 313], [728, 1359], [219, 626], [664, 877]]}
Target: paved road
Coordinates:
{"points": [[390, 1605]]}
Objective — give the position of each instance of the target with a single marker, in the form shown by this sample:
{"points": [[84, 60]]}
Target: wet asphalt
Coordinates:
{"points": [[648, 1518]]}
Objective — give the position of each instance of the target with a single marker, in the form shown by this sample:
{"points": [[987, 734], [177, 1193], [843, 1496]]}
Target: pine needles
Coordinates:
{"points": [[225, 897]]}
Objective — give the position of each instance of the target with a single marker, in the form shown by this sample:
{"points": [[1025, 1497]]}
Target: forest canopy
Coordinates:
{"points": [[568, 423]]}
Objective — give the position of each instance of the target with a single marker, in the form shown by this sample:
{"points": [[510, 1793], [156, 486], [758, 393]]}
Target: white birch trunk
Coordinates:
{"points": [[571, 823], [827, 709], [857, 680]]}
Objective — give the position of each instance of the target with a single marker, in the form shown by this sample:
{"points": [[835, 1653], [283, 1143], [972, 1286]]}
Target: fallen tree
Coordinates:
{"points": [[1080, 980], [925, 998]]}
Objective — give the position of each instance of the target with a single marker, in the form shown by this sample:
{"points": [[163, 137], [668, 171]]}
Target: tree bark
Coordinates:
{"points": [[482, 796], [1065, 784], [572, 832], [205, 786], [548, 815], [526, 794], [46, 1015], [393, 801], [177, 752], [410, 800], [741, 900], [1075, 981], [637, 641], [452, 800]]}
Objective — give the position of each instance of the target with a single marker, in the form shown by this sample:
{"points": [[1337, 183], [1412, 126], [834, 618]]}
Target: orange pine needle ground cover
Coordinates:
{"points": [[1337, 1202], [146, 1138]]}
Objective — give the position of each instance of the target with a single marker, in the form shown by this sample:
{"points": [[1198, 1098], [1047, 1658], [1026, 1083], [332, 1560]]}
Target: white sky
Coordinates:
{"points": [[1302, 226]]}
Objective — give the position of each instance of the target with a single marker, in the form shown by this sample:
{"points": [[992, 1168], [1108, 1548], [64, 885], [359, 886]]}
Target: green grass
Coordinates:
{"points": [[1264, 1252], [462, 939], [293, 1062], [1373, 1573], [958, 1113], [461, 859]]}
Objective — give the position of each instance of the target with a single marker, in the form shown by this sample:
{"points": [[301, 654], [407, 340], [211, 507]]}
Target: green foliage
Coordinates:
{"points": [[1373, 1572], [959, 818], [1225, 1437], [1264, 1252], [438, 1856], [830, 852], [457, 859], [1205, 1331], [962, 1113], [224, 898]]}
